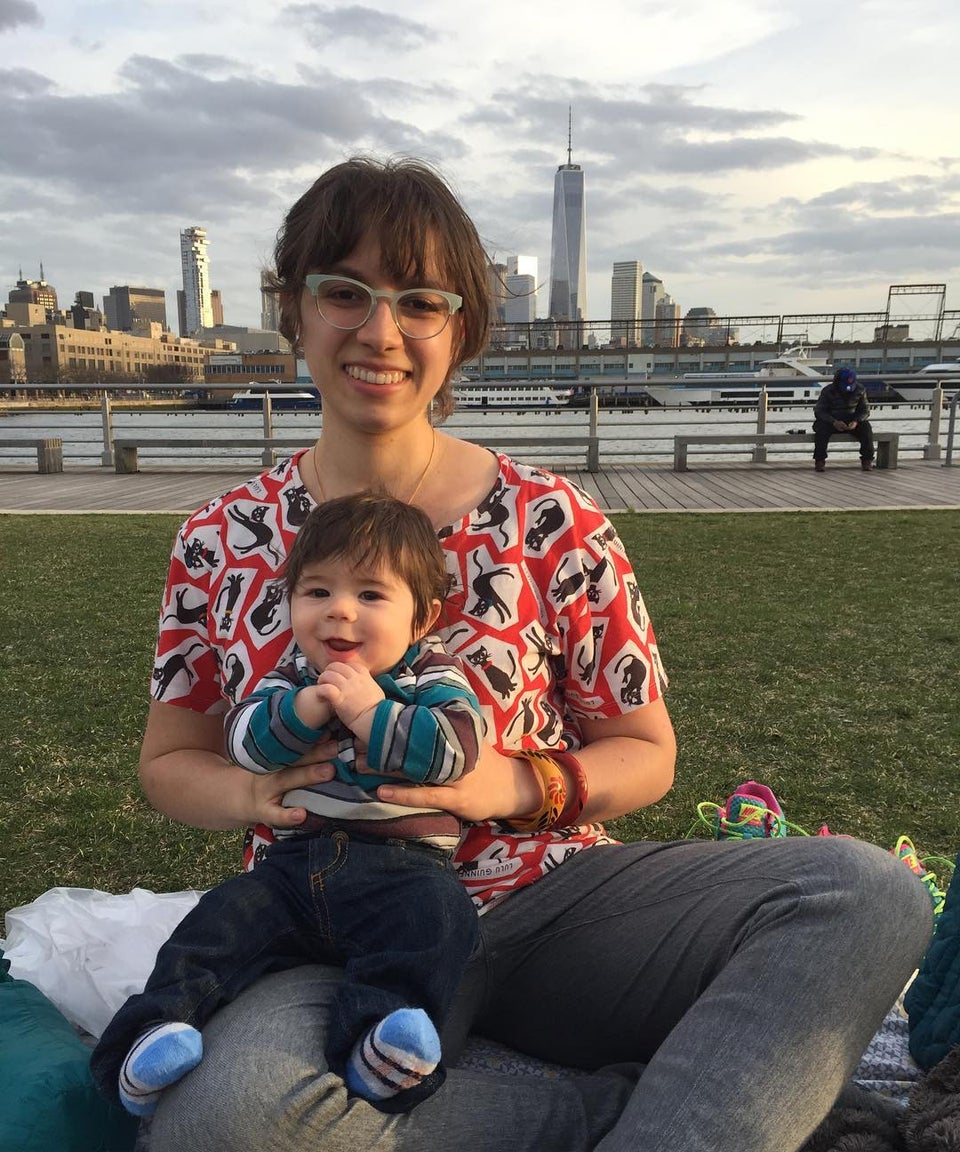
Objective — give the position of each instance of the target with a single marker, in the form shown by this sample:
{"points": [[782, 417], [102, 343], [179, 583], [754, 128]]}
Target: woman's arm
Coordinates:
{"points": [[186, 776], [628, 760]]}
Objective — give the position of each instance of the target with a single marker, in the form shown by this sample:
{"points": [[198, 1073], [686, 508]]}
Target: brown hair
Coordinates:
{"points": [[415, 217], [371, 530]]}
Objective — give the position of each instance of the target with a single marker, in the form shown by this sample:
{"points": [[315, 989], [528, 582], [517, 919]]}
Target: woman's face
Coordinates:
{"points": [[374, 376]]}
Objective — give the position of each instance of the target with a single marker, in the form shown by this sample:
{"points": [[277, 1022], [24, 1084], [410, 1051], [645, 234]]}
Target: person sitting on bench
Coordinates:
{"points": [[842, 407]]}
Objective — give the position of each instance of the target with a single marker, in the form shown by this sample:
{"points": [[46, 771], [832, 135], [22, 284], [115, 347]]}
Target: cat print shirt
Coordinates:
{"points": [[545, 615]]}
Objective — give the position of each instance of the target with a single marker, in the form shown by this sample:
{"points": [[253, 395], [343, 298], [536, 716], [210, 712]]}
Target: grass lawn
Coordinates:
{"points": [[816, 653]]}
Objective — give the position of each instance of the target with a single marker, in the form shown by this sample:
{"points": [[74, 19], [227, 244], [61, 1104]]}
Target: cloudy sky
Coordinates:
{"points": [[759, 156]]}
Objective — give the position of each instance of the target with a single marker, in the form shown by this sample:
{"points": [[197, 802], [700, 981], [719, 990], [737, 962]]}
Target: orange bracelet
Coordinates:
{"points": [[562, 806], [554, 793]]}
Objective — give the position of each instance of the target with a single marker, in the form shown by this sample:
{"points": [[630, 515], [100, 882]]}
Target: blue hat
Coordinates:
{"points": [[846, 378]]}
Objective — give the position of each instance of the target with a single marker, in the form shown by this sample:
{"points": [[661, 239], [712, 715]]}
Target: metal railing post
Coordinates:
{"points": [[106, 420], [267, 456], [951, 427], [931, 450], [593, 449], [760, 451]]}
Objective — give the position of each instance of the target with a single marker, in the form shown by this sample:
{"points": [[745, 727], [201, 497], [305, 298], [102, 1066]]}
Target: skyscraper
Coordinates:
{"points": [[521, 281], [522, 266], [129, 309], [496, 285], [626, 302], [197, 312], [653, 293], [568, 248], [34, 292], [521, 303], [269, 305], [666, 330]]}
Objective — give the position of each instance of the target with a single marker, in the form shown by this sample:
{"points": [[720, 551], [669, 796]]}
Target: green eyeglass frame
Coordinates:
{"points": [[410, 325]]}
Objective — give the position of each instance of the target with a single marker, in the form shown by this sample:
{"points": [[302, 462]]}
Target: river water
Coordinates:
{"points": [[634, 435]]}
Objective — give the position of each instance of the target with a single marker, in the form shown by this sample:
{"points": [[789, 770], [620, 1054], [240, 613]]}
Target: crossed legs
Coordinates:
{"points": [[748, 977]]}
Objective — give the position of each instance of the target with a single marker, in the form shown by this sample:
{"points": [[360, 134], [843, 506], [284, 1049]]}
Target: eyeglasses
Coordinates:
{"points": [[418, 312]]}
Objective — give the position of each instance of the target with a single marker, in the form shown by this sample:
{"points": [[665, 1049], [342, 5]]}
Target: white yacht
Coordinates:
{"points": [[795, 375], [947, 375], [511, 394], [280, 400]]}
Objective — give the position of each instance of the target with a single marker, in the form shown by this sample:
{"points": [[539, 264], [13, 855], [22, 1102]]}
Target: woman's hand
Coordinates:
{"points": [[267, 792], [186, 776], [628, 761], [498, 788]]}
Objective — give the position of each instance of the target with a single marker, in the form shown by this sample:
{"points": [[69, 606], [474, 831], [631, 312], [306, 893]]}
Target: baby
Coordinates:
{"points": [[361, 883]]}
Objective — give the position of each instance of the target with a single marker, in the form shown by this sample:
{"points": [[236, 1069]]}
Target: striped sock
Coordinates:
{"points": [[159, 1058], [396, 1054]]}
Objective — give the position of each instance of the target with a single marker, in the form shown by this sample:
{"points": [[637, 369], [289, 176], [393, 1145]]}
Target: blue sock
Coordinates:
{"points": [[159, 1058], [396, 1054]]}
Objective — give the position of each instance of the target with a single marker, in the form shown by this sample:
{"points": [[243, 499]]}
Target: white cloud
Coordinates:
{"points": [[752, 155]]}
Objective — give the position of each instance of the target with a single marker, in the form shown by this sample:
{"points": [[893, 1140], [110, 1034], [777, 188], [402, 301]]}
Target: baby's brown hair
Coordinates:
{"points": [[372, 530]]}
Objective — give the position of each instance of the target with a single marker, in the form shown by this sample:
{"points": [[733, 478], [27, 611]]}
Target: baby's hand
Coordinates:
{"points": [[312, 707], [352, 692]]}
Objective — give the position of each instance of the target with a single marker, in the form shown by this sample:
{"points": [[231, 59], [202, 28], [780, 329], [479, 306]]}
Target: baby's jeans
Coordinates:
{"points": [[393, 914]]}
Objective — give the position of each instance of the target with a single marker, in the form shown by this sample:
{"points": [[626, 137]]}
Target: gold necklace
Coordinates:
{"points": [[416, 490]]}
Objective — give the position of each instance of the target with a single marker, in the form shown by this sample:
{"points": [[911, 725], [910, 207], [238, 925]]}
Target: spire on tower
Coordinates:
{"points": [[569, 133]]}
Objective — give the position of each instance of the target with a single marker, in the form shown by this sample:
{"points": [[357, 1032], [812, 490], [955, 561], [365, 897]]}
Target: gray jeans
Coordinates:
{"points": [[736, 985]]}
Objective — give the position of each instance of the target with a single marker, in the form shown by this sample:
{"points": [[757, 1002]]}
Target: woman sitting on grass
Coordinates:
{"points": [[747, 978]]}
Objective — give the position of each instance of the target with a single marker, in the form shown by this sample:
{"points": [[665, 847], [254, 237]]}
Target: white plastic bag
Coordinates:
{"points": [[89, 950]]}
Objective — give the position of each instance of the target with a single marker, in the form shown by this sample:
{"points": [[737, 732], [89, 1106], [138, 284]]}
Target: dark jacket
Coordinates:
{"points": [[933, 999], [835, 404]]}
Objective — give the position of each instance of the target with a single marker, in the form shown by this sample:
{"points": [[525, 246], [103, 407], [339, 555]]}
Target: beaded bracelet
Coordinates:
{"points": [[561, 807]]}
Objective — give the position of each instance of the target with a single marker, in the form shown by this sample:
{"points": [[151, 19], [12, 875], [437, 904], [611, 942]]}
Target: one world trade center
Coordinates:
{"points": [[568, 254]]}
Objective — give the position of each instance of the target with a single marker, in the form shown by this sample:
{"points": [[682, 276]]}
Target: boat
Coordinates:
{"points": [[510, 394], [795, 376], [918, 391], [285, 400]]}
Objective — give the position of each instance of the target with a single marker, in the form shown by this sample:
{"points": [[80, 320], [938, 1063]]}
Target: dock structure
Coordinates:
{"points": [[727, 487]]}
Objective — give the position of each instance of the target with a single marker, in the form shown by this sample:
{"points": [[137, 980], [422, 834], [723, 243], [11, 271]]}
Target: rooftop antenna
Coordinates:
{"points": [[569, 135]]}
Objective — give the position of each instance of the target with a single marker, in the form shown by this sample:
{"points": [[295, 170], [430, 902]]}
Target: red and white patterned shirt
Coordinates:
{"points": [[545, 614]]}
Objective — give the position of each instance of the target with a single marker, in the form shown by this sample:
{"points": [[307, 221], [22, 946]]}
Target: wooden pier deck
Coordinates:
{"points": [[643, 488]]}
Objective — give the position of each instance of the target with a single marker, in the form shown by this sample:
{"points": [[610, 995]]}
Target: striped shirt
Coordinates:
{"points": [[428, 728]]}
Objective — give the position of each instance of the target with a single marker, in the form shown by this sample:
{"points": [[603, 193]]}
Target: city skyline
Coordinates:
{"points": [[759, 157]]}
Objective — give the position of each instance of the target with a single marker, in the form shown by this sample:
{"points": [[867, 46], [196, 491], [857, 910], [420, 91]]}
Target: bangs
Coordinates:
{"points": [[404, 225]]}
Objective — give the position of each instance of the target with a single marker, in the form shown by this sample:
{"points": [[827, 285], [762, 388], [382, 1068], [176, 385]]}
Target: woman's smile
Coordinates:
{"points": [[370, 376]]}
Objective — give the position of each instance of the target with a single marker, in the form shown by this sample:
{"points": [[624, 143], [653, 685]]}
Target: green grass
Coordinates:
{"points": [[819, 654]]}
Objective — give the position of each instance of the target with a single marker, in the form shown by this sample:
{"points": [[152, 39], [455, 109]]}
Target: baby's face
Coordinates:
{"points": [[341, 613]]}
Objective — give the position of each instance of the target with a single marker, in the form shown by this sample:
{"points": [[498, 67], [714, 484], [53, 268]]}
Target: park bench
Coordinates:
{"points": [[125, 449], [888, 444], [49, 451]]}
